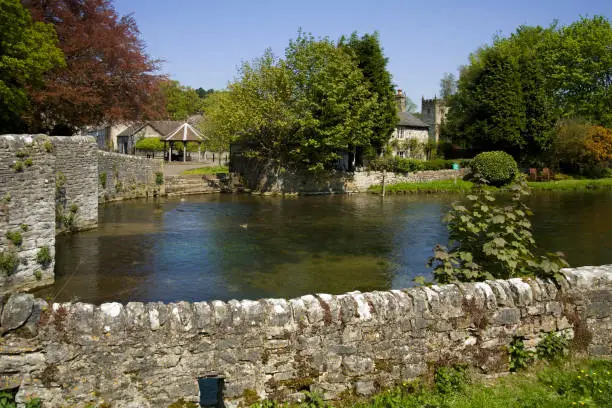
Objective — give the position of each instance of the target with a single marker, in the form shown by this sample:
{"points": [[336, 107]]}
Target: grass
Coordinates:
{"points": [[441, 186], [586, 383], [572, 185], [449, 186], [206, 170]]}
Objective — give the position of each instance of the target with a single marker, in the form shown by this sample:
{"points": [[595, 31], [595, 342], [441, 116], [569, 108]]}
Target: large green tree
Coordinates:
{"points": [[181, 101], [303, 111], [27, 51], [513, 92], [368, 53]]}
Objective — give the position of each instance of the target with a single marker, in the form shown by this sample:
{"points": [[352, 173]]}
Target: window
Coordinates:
{"points": [[402, 154]]}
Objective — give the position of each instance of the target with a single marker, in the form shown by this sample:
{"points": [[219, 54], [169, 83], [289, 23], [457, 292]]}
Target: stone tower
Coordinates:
{"points": [[433, 112], [400, 100]]}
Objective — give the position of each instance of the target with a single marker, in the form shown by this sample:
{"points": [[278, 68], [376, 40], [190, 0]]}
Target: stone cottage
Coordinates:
{"points": [[410, 135]]}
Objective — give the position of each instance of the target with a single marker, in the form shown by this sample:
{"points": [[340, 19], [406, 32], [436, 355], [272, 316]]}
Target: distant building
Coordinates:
{"points": [[105, 135], [126, 140], [410, 135], [434, 112]]}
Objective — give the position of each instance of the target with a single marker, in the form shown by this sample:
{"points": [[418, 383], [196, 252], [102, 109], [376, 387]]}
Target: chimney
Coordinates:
{"points": [[400, 100]]}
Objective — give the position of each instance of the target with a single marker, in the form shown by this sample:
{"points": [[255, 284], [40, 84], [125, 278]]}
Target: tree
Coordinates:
{"points": [[370, 59], [336, 110], [216, 125], [108, 76], [27, 51], [203, 93], [411, 107], [448, 86], [301, 112], [181, 101], [513, 92], [582, 148], [581, 70]]}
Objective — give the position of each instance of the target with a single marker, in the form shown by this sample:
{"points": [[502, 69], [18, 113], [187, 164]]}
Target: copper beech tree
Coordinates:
{"points": [[108, 76]]}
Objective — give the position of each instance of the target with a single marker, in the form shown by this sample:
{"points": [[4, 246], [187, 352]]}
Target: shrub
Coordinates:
{"points": [[449, 379], [43, 256], [8, 262], [518, 355], [102, 177], [159, 178], [552, 347], [495, 168], [151, 144], [399, 165], [15, 237], [492, 241], [18, 166]]}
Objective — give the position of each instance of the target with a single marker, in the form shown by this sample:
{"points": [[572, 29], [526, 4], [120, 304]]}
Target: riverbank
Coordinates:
{"points": [[451, 186]]}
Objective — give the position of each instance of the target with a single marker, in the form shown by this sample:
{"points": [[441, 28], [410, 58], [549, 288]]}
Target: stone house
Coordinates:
{"points": [[410, 135], [127, 139], [105, 134]]}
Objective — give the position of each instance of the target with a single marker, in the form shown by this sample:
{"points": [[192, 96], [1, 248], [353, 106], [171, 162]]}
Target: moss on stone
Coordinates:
{"points": [[249, 397], [181, 403]]}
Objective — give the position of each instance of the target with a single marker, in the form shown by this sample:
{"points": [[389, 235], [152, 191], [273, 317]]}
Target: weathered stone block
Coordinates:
{"points": [[507, 316], [16, 312]]}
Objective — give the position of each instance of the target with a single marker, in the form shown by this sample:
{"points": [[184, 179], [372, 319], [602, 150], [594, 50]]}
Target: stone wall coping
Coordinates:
{"points": [[128, 156], [347, 307], [152, 354]]}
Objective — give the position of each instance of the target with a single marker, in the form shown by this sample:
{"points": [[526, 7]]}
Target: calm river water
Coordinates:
{"points": [[239, 246]]}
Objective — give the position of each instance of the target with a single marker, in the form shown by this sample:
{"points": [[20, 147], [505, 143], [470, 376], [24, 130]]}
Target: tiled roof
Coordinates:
{"points": [[408, 120], [130, 130], [184, 133]]}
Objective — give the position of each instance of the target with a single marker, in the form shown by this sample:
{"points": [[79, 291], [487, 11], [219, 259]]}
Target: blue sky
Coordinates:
{"points": [[203, 41]]}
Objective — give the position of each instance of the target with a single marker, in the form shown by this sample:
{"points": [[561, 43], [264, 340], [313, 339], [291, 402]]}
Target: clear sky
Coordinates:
{"points": [[203, 41]]}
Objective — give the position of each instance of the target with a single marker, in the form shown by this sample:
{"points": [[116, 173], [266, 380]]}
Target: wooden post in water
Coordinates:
{"points": [[383, 182]]}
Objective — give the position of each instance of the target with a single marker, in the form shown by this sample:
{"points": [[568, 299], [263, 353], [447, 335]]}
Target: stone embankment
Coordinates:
{"points": [[362, 180], [50, 185], [122, 176], [152, 354], [196, 184]]}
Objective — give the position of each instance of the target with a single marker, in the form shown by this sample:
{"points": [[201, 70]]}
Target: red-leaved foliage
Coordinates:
{"points": [[108, 77]]}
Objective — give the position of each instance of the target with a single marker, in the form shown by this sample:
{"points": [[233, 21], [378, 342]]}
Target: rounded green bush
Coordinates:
{"points": [[496, 168]]}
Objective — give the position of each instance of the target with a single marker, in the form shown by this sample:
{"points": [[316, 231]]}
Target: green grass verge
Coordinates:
{"points": [[586, 383], [206, 170], [572, 185], [449, 186]]}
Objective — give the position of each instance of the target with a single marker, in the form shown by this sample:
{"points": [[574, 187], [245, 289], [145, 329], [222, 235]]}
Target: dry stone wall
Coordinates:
{"points": [[363, 180], [49, 185], [122, 176], [151, 354], [27, 211], [76, 182]]}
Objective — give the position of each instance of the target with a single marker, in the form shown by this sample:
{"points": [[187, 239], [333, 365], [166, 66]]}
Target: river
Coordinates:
{"points": [[227, 246]]}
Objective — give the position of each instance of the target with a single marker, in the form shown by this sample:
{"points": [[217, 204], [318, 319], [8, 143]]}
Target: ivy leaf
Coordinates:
{"points": [[498, 219], [500, 242]]}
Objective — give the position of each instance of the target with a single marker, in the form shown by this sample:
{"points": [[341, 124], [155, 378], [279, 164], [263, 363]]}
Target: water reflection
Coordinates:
{"points": [[235, 246]]}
